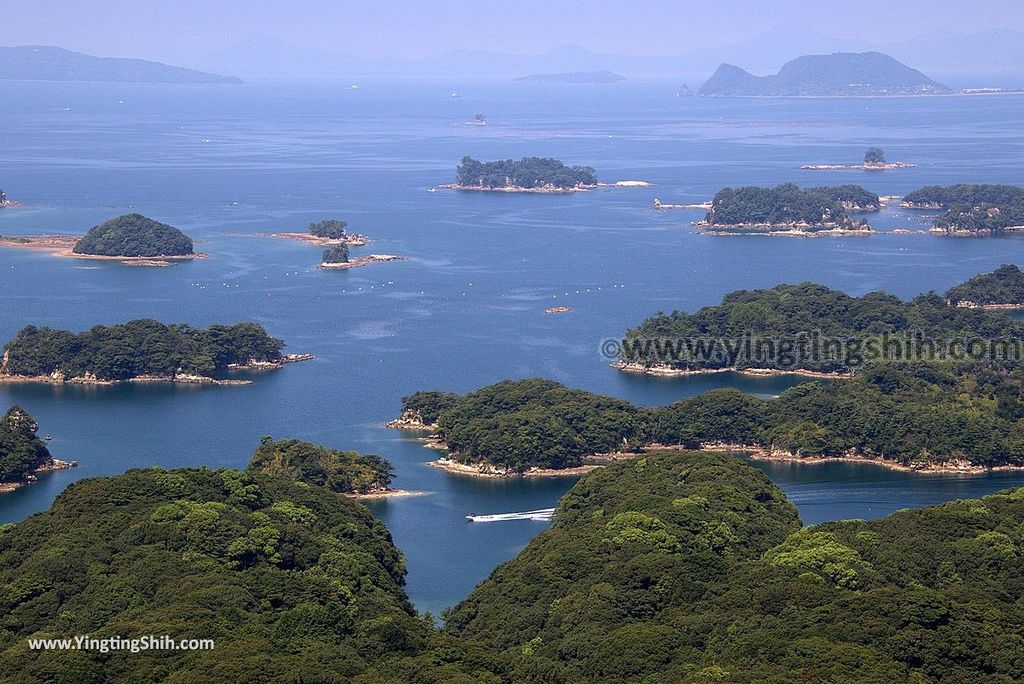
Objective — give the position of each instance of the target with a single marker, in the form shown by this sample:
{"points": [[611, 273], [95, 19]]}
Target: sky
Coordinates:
{"points": [[181, 31]]}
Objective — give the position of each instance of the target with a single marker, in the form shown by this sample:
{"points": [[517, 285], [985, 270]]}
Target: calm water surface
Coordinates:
{"points": [[228, 163]]}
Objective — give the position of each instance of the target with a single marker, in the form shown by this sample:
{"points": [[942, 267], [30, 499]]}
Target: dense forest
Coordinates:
{"points": [[787, 206], [345, 472], [690, 568], [333, 229], [136, 348], [785, 314], [338, 254], [918, 415], [672, 567], [1002, 287], [21, 451], [972, 208], [293, 582], [427, 406], [534, 173], [134, 235]]}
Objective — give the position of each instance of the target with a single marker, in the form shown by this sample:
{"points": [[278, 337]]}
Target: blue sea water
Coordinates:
{"points": [[226, 164]]}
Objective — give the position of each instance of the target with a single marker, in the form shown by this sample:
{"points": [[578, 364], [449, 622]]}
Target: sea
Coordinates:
{"points": [[230, 164]]}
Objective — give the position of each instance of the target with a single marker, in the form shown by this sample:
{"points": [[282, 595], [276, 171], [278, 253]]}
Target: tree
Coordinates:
{"points": [[336, 255], [874, 156], [332, 229]]}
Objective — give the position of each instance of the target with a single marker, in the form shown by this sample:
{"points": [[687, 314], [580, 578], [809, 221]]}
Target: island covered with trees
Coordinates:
{"points": [[22, 453], [789, 210], [971, 209], [778, 320], [131, 239], [141, 350], [674, 566], [134, 235], [344, 472], [926, 416], [529, 174], [1003, 288]]}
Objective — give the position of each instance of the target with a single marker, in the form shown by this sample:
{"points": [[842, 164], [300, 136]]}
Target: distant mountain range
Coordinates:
{"points": [[575, 77], [992, 57], [44, 63], [841, 73]]}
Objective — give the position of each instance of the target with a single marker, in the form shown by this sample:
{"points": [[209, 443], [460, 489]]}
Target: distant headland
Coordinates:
{"points": [[47, 63], [844, 74], [577, 77]]}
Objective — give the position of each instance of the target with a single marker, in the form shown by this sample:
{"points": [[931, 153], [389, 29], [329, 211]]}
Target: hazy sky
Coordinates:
{"points": [[182, 30]]}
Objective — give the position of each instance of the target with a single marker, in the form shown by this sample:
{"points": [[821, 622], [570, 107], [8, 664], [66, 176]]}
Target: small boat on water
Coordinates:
{"points": [[48, 438], [543, 514]]}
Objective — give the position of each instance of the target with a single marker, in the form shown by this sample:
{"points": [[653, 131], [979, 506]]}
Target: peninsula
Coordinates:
{"points": [[141, 351], [47, 63], [805, 328], [344, 472], [529, 174], [843, 74], [131, 239], [874, 160], [1000, 289], [788, 210], [540, 427], [971, 210], [22, 454]]}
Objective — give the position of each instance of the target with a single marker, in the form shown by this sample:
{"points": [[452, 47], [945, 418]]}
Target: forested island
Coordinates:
{"points": [[971, 209], [808, 313], [344, 472], [925, 416], [789, 210], [134, 235], [1000, 289], [22, 453], [844, 74], [874, 160], [140, 350], [529, 174]]}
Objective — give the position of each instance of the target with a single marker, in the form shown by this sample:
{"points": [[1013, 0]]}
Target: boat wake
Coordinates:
{"points": [[543, 514]]}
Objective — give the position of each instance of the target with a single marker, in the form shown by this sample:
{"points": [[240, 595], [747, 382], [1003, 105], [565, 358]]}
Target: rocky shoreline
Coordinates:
{"points": [[781, 229], [669, 371], [540, 190], [89, 378], [51, 466], [352, 240], [63, 246], [384, 494], [858, 167], [488, 470], [959, 466], [359, 261]]}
